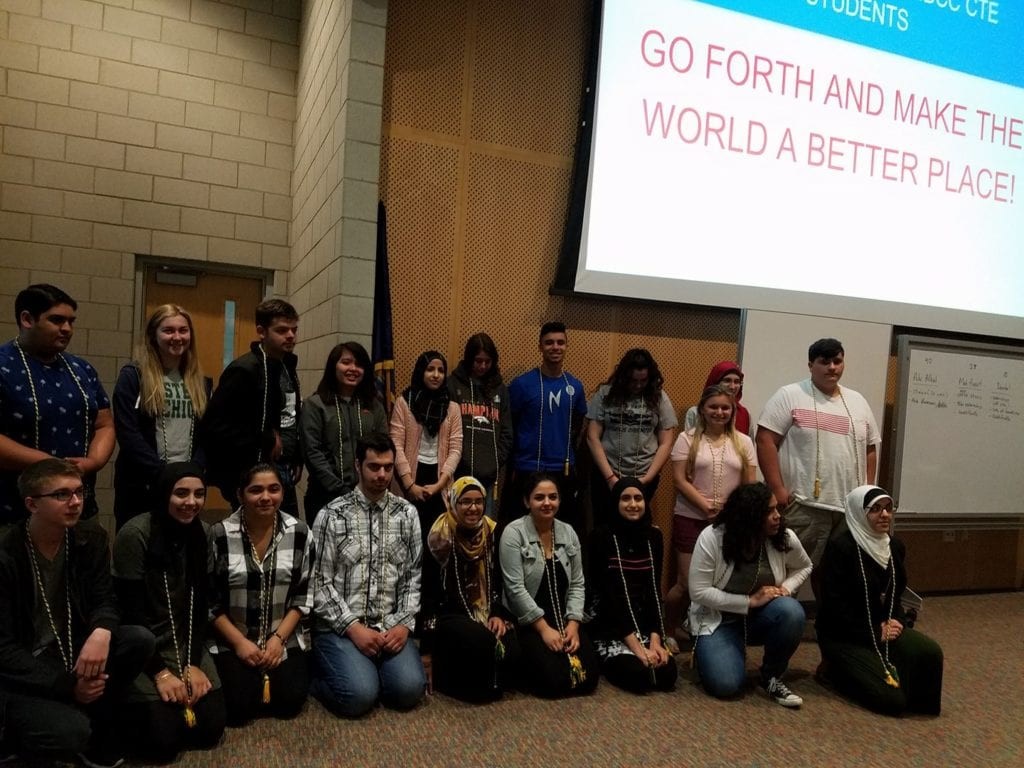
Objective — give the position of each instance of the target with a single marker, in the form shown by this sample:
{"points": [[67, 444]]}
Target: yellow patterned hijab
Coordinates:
{"points": [[471, 546]]}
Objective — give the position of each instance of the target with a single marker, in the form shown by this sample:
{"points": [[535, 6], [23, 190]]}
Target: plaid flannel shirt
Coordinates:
{"points": [[235, 589], [367, 565]]}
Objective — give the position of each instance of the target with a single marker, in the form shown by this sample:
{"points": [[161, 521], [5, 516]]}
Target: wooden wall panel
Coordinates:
{"points": [[418, 183], [526, 87], [424, 65]]}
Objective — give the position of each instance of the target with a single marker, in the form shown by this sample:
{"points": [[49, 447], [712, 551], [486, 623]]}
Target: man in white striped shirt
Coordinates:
{"points": [[366, 585], [816, 442]]}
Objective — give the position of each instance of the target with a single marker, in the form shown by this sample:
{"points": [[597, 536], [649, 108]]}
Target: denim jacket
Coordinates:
{"points": [[522, 569]]}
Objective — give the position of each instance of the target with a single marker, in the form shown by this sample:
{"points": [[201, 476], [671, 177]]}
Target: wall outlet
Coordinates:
{"points": [[948, 537]]}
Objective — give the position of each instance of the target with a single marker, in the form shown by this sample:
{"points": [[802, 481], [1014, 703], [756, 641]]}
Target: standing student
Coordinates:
{"points": [[548, 409], [51, 402], [260, 602], [65, 658], [477, 387], [253, 414], [158, 402], [630, 429], [344, 407], [366, 587], [427, 429], [708, 462], [816, 442], [728, 373], [160, 575]]}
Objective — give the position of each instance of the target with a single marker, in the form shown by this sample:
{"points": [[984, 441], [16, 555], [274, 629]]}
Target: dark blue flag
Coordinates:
{"points": [[383, 340]]}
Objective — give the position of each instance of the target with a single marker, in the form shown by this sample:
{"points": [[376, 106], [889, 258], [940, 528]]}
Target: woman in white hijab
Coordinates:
{"points": [[868, 652]]}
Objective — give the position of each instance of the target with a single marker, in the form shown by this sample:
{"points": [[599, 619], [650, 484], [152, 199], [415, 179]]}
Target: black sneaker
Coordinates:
{"points": [[100, 757], [779, 693]]}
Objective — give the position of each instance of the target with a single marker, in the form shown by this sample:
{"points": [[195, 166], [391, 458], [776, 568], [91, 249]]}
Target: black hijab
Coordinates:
{"points": [[429, 407], [168, 537], [631, 532]]}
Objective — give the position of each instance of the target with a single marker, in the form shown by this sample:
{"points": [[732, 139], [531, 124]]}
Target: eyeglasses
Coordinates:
{"points": [[63, 495], [470, 503], [877, 509]]}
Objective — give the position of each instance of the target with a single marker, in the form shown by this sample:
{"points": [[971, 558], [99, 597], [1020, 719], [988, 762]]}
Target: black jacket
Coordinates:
{"points": [[242, 401], [93, 606]]}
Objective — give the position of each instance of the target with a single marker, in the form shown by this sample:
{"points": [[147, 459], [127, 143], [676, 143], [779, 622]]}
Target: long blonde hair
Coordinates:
{"points": [[151, 395], [714, 390]]}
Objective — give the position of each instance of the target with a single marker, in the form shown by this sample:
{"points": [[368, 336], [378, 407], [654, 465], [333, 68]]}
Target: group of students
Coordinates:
{"points": [[401, 518]]}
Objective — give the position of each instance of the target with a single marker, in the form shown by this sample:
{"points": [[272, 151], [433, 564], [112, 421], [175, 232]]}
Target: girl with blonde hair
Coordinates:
{"points": [[708, 462], [158, 401]]}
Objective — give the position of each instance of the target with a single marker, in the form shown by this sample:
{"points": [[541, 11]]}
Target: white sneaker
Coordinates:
{"points": [[779, 693]]}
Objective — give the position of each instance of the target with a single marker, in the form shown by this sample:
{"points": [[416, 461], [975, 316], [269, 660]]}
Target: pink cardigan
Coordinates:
{"points": [[405, 431]]}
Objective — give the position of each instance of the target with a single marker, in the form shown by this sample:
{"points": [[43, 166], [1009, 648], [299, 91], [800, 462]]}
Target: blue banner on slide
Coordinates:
{"points": [[978, 37]]}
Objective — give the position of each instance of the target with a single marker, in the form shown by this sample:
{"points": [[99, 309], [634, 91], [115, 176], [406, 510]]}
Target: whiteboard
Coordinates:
{"points": [[960, 429]]}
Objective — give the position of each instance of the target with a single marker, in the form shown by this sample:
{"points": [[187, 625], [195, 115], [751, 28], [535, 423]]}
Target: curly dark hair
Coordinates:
{"points": [[636, 359], [743, 517]]}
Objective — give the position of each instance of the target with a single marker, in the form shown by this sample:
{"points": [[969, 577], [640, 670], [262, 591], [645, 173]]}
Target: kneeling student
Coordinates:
{"points": [[65, 660], [366, 586]]}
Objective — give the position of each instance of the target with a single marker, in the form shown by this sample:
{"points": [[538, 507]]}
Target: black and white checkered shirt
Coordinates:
{"points": [[236, 579], [367, 563]]}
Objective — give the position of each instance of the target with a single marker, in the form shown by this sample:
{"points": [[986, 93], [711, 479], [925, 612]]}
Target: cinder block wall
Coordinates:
{"points": [[151, 127], [334, 183]]}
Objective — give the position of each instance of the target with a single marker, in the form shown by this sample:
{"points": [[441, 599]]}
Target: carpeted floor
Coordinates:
{"points": [[982, 723]]}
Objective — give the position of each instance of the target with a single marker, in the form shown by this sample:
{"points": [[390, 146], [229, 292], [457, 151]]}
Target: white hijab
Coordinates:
{"points": [[858, 501]]}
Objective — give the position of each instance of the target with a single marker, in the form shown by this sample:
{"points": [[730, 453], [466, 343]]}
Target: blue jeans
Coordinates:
{"points": [[350, 684], [778, 626]]}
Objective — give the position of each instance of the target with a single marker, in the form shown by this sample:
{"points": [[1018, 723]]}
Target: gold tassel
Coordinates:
{"points": [[190, 717], [817, 487], [565, 469], [577, 674], [891, 677], [266, 688], [494, 490]]}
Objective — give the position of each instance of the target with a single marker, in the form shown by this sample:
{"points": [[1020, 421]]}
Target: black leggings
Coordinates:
{"points": [[545, 672], [627, 672], [243, 687], [160, 729]]}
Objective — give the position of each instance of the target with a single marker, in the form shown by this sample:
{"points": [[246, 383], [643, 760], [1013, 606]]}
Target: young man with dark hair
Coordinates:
{"points": [[366, 586], [816, 442], [253, 413], [548, 408], [51, 402], [64, 658]]}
